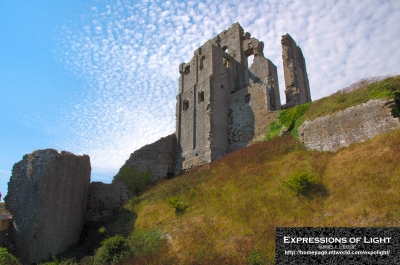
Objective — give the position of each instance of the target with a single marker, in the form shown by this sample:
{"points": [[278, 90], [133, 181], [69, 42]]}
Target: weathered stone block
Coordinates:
{"points": [[47, 196]]}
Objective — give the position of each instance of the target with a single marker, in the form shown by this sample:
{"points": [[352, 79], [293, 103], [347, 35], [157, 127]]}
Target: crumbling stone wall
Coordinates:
{"points": [[355, 124], [47, 196], [297, 89], [158, 157]]}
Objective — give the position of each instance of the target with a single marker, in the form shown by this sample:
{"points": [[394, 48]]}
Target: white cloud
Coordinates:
{"points": [[128, 55]]}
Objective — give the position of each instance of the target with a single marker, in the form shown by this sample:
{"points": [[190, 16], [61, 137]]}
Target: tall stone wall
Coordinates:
{"points": [[297, 89], [47, 196], [355, 124]]}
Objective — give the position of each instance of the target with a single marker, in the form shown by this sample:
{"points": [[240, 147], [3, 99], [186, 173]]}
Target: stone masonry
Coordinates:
{"points": [[47, 196], [352, 125], [297, 89], [223, 103]]}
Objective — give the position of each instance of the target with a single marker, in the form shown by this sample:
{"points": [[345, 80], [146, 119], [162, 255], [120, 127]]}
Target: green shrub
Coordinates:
{"points": [[148, 242], [177, 204], [112, 249], [136, 181], [7, 258], [301, 182]]}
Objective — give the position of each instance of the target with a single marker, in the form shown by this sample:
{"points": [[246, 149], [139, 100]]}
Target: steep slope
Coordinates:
{"points": [[232, 207]]}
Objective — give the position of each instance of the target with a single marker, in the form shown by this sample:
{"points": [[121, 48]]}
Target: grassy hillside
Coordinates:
{"points": [[235, 204], [226, 212]]}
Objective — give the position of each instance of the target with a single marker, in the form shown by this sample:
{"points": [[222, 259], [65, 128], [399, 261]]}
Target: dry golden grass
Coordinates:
{"points": [[235, 204]]}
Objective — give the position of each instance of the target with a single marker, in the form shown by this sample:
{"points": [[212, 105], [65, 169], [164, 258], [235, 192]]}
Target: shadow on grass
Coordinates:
{"points": [[316, 191]]}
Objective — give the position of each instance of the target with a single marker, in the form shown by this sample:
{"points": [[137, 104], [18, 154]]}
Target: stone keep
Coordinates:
{"points": [[222, 103], [297, 89], [47, 196]]}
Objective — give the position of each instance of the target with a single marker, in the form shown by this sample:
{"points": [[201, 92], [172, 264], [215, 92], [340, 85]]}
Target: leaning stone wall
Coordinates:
{"points": [[355, 124], [47, 196]]}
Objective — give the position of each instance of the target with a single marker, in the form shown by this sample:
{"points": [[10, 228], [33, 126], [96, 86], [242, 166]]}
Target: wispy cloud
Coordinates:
{"points": [[127, 55]]}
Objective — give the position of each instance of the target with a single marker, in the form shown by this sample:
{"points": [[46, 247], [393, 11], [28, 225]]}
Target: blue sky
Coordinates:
{"points": [[100, 77]]}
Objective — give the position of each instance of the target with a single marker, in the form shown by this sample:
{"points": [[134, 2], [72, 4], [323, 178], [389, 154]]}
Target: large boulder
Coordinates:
{"points": [[47, 196]]}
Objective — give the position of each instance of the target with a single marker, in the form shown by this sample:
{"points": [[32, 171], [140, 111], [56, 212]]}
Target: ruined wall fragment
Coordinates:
{"points": [[159, 157], [47, 196], [297, 89], [352, 125]]}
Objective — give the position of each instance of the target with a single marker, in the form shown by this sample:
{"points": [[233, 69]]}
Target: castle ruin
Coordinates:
{"points": [[223, 103]]}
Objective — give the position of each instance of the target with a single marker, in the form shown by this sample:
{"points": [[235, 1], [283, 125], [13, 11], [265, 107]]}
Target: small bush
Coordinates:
{"points": [[7, 258], [177, 204], [136, 181], [112, 249], [301, 182]]}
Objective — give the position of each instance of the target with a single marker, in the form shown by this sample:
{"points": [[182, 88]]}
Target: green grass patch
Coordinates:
{"points": [[291, 119]]}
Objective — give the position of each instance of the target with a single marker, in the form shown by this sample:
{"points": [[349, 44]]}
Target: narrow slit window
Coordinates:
{"points": [[202, 62], [185, 105], [200, 97]]}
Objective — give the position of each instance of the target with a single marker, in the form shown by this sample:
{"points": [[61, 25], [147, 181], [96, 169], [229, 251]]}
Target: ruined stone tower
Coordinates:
{"points": [[297, 89], [222, 103]]}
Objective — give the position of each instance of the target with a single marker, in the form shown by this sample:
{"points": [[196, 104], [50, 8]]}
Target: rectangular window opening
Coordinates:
{"points": [[200, 97]]}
